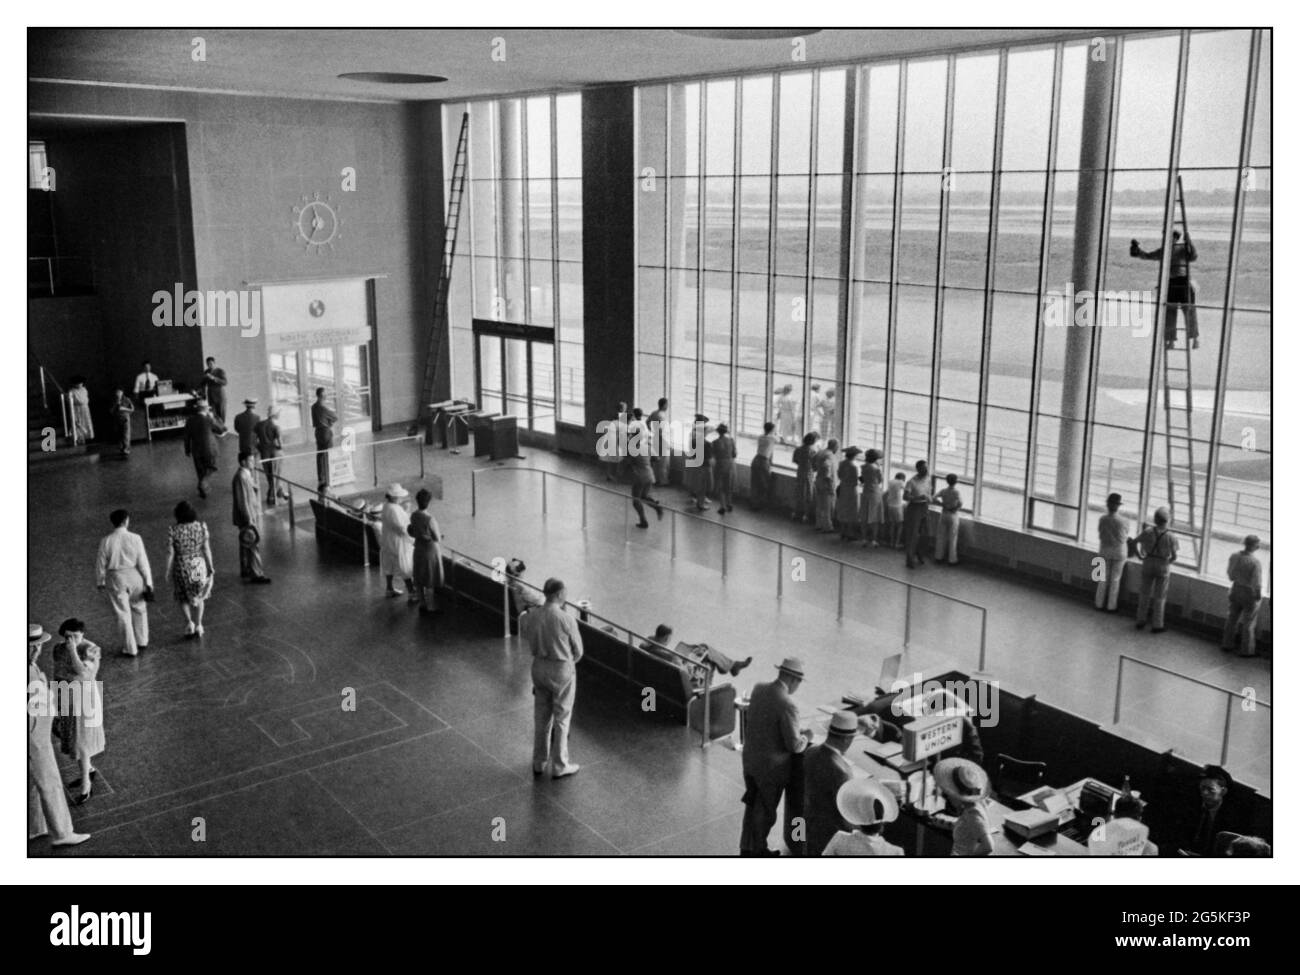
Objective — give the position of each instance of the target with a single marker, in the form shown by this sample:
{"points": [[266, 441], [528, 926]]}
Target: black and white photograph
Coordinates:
{"points": [[543, 449]]}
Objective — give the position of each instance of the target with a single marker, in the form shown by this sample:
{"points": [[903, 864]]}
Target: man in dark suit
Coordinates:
{"points": [[201, 431], [1217, 814], [772, 740], [267, 434], [246, 424], [322, 422], [825, 769], [214, 389]]}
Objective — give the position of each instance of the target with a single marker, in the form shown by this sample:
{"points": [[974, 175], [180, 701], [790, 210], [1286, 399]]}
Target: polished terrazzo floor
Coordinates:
{"points": [[243, 738]]}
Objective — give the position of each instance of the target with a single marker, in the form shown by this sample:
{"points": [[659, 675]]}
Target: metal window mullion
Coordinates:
{"points": [[733, 369], [524, 202], [700, 209], [1229, 297], [667, 214], [772, 152], [557, 360], [498, 225], [810, 238], [1044, 258], [1162, 286], [891, 341], [1098, 333], [848, 198], [995, 198], [945, 190]]}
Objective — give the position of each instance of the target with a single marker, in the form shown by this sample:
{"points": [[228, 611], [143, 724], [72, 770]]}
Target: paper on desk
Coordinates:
{"points": [[1034, 850]]}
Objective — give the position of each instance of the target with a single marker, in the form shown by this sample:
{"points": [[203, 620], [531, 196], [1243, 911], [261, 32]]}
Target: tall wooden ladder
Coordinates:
{"points": [[452, 225], [1180, 467]]}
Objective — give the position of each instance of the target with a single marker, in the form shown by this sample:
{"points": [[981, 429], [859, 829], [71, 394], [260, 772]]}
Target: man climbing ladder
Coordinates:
{"points": [[1182, 293]]}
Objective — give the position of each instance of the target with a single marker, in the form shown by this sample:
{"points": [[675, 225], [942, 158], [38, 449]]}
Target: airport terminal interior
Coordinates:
{"points": [[918, 380]]}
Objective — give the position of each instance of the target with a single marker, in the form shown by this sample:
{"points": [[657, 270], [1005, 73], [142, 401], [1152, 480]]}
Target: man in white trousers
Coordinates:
{"points": [[122, 571], [47, 805]]}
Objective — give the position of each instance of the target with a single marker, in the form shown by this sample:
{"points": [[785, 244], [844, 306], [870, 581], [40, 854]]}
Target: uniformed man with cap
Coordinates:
{"points": [[1157, 546], [246, 424], [772, 739], [47, 805], [825, 769]]}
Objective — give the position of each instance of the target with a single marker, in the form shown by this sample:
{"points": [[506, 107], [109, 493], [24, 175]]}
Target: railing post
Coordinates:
{"points": [[584, 505], [419, 442], [1119, 689], [45, 402], [365, 541], [839, 611], [505, 607], [543, 493], [473, 494], [293, 524], [780, 570], [907, 619], [984, 632], [1227, 731], [724, 552], [708, 701], [1110, 470], [374, 462], [626, 507], [673, 531]]}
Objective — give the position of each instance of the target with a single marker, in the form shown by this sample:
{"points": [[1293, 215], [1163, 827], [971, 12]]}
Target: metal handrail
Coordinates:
{"points": [[1229, 692], [64, 409], [781, 548], [497, 575]]}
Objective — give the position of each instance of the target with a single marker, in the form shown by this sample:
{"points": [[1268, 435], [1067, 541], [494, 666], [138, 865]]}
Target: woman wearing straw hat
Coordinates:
{"points": [[867, 805], [873, 498], [76, 659], [966, 787], [396, 546]]}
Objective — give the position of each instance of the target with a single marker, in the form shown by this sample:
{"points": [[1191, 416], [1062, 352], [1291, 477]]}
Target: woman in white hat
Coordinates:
{"points": [[966, 787], [396, 546], [867, 805]]}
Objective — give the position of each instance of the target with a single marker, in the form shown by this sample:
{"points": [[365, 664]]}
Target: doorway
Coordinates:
{"points": [[515, 373], [342, 370]]}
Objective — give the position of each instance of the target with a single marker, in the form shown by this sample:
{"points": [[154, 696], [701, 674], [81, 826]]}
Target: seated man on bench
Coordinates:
{"points": [[703, 655]]}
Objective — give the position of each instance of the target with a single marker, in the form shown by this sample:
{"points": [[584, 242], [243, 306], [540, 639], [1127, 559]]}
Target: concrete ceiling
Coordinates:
{"points": [[306, 63]]}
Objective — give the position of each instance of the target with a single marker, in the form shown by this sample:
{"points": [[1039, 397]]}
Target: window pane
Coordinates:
{"points": [[539, 137], [966, 254], [794, 128], [1254, 270], [650, 221], [684, 222], [539, 219], [682, 388], [541, 294], [787, 410], [1002, 494], [1137, 213], [572, 384], [751, 349], [512, 280], [914, 339], [1261, 138], [756, 125], [963, 341], [751, 250], [482, 140], [1146, 102], [1058, 465], [716, 398], [486, 298], [650, 310], [828, 238], [1028, 113], [752, 405], [717, 317], [571, 302], [510, 138], [910, 431], [918, 241], [650, 380], [718, 214], [1217, 63], [790, 315], [510, 230], [827, 298], [684, 130], [927, 85], [880, 125], [1208, 195], [875, 227], [569, 218], [974, 112], [568, 133], [868, 412], [1116, 469], [1020, 232], [682, 314], [1123, 366], [652, 131], [483, 217], [830, 121], [721, 121], [869, 333], [1011, 350], [792, 225], [954, 451]]}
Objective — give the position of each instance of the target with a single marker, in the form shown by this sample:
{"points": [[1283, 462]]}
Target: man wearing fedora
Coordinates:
{"points": [[825, 770], [47, 805], [269, 446], [867, 806], [201, 431], [122, 572], [248, 519], [772, 739], [246, 424]]}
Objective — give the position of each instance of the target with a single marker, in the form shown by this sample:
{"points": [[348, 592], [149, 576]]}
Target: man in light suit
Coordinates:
{"points": [[122, 572], [825, 769], [47, 806], [772, 740], [248, 519]]}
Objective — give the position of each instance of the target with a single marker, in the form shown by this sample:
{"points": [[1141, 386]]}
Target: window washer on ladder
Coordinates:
{"points": [[1182, 292]]}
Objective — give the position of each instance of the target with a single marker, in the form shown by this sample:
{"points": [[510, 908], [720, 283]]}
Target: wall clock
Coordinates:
{"points": [[317, 223]]}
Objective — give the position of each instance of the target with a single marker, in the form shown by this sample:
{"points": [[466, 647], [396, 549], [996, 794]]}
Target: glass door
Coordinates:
{"points": [[517, 393], [286, 393], [490, 383], [542, 369], [354, 383]]}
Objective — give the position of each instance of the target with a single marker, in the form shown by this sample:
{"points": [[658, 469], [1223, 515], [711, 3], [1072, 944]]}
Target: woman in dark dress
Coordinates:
{"points": [[428, 553]]}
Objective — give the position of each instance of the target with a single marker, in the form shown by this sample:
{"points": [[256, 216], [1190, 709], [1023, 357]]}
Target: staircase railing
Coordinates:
{"points": [[46, 379]]}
